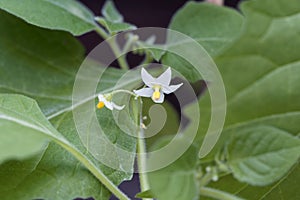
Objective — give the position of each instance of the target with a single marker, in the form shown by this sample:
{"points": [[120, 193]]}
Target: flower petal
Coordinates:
{"points": [[171, 88], [117, 106], [144, 92], [147, 78], [161, 98], [108, 105], [164, 78], [101, 97]]}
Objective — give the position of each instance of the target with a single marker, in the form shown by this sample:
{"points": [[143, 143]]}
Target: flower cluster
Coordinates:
{"points": [[156, 88]]}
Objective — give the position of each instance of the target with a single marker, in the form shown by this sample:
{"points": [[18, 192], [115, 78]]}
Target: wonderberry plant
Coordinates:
{"points": [[73, 126]]}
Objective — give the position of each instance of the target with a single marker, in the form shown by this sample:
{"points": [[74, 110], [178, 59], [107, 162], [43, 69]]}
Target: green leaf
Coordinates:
{"points": [[110, 12], [42, 55], [262, 154], [64, 176], [260, 73], [66, 125], [115, 27], [156, 51], [24, 129], [213, 27], [112, 20], [145, 194], [67, 15], [54, 97], [45, 70], [55, 174], [285, 188], [256, 78], [178, 180], [260, 68]]}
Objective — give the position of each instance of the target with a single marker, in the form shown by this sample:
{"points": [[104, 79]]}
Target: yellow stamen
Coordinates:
{"points": [[100, 105], [156, 93]]}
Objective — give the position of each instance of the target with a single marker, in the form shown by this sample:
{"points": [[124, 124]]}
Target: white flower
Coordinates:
{"points": [[157, 87], [106, 100]]}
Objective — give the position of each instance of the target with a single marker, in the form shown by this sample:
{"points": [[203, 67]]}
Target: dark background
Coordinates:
{"points": [[142, 13]]}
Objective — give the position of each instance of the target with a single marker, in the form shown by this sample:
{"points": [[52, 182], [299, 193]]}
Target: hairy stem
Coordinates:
{"points": [[131, 39], [113, 45], [217, 194], [141, 151]]}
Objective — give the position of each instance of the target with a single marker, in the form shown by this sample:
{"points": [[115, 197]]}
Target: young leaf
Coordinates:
{"points": [[67, 15], [110, 12], [156, 51], [112, 20], [115, 27], [262, 154]]}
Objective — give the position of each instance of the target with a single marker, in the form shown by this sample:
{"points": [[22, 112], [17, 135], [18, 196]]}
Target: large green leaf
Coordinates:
{"points": [[259, 67], [45, 69], [262, 154], [55, 173], [38, 63], [213, 27], [260, 73], [67, 15], [260, 87], [24, 132]]}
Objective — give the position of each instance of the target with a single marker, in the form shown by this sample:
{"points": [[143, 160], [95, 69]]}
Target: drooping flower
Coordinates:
{"points": [[106, 100], [157, 87]]}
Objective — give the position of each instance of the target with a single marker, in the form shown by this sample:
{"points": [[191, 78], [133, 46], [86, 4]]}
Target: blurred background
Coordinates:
{"points": [[142, 13]]}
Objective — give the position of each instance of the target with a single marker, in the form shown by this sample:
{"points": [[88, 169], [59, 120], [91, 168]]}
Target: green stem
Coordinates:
{"points": [[123, 91], [141, 158], [130, 41], [102, 32], [93, 169], [142, 163], [148, 59], [115, 48], [217, 194], [113, 45], [206, 179]]}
